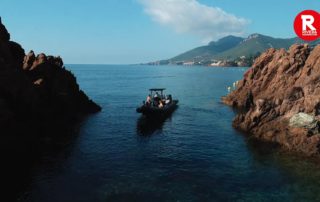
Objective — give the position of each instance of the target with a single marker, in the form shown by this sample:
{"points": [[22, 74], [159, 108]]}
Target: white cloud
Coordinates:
{"points": [[192, 17]]}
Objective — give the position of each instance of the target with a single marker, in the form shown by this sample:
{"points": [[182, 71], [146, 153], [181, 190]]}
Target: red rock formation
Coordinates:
{"points": [[278, 86], [28, 60], [37, 89]]}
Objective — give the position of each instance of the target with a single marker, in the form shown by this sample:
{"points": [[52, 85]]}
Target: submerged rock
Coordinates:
{"points": [[280, 95]]}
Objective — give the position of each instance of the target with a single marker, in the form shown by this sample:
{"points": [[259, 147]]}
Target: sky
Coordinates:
{"points": [[136, 31]]}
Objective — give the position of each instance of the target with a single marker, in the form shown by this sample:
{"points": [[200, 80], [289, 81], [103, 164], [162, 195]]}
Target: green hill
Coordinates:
{"points": [[231, 48], [213, 48]]}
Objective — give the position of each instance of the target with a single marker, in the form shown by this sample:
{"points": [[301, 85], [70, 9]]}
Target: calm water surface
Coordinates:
{"points": [[195, 155]]}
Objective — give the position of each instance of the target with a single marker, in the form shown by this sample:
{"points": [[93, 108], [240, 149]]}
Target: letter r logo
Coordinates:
{"points": [[307, 25], [307, 21]]}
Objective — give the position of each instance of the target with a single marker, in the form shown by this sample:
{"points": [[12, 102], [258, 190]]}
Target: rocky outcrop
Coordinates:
{"points": [[279, 98], [37, 91]]}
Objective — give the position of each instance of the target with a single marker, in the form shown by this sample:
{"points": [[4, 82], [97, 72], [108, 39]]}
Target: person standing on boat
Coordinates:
{"points": [[156, 99], [160, 104], [168, 99], [156, 96], [148, 102]]}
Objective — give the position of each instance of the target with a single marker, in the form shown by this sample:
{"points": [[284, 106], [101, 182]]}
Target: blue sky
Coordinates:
{"points": [[134, 31]]}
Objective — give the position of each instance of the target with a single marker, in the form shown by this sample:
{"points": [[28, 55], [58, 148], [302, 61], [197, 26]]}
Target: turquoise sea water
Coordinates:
{"points": [[195, 155]]}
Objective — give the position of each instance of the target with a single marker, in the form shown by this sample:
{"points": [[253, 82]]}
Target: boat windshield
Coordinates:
{"points": [[156, 91]]}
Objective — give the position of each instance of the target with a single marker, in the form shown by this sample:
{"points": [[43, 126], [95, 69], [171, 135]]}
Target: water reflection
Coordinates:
{"points": [[23, 154], [147, 126], [286, 174]]}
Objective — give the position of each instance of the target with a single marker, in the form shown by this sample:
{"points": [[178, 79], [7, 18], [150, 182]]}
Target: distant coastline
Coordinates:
{"points": [[242, 61], [232, 51]]}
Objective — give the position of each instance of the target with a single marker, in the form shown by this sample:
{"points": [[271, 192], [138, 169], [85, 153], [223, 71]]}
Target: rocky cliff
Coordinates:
{"points": [[279, 98], [36, 91]]}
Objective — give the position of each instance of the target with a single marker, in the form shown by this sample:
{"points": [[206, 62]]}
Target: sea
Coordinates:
{"points": [[194, 155]]}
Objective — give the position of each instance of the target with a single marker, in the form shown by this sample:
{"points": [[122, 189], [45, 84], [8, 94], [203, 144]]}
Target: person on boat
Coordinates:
{"points": [[156, 99], [156, 96], [168, 99], [160, 104], [148, 101]]}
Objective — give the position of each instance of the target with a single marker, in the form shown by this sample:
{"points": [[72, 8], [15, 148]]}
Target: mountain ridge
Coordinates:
{"points": [[233, 51]]}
